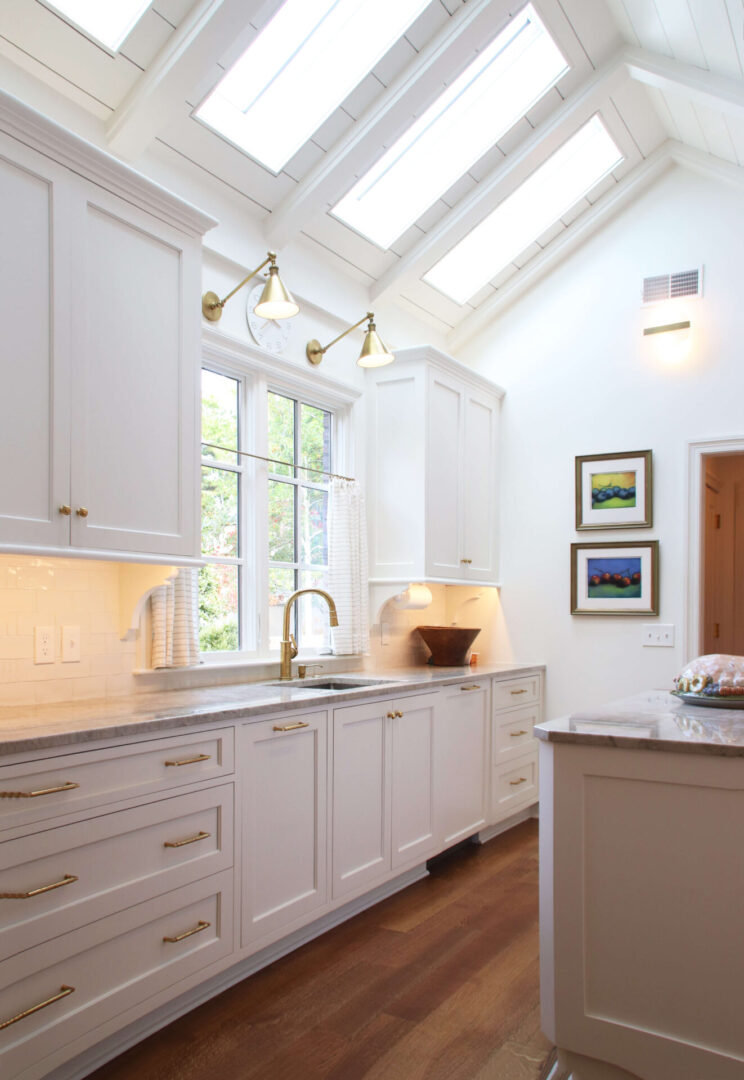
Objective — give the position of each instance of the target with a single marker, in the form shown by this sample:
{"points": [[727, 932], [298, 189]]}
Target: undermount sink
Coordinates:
{"points": [[329, 684]]}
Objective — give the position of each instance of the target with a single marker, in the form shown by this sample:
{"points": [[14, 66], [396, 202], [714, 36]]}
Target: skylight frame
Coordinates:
{"points": [[112, 47], [465, 247], [225, 104], [493, 76]]}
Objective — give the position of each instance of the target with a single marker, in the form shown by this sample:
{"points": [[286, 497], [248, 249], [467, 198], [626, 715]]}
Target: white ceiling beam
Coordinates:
{"points": [[413, 90], [717, 92], [698, 161], [182, 64], [625, 192], [545, 139]]}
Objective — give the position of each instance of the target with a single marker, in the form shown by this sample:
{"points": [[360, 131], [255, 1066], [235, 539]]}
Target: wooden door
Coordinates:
{"points": [[412, 755]]}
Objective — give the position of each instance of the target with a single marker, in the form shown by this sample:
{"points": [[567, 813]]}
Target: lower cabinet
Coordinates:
{"points": [[383, 789], [284, 822], [462, 742]]}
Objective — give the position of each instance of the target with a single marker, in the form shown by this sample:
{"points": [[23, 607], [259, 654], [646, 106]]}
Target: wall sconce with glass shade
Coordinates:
{"points": [[374, 352], [275, 302]]}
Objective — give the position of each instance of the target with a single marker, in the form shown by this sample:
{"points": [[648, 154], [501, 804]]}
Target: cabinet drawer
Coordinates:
{"points": [[72, 875], [513, 732], [514, 786], [54, 786], [99, 972], [512, 692]]}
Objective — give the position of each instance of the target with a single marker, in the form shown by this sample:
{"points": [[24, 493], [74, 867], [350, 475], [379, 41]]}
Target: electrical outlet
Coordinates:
{"points": [[658, 634], [44, 645], [70, 644]]}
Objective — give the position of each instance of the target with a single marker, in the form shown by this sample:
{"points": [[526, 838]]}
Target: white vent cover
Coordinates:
{"points": [[672, 286]]}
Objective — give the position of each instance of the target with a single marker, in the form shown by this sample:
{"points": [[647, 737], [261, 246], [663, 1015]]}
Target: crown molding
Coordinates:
{"points": [[442, 361]]}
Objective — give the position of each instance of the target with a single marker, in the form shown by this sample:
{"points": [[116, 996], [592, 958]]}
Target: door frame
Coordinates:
{"points": [[696, 451]]}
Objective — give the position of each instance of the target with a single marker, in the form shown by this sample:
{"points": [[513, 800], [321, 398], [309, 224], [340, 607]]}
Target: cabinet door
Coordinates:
{"points": [[480, 487], [361, 796], [462, 762], [444, 487], [136, 335], [284, 822], [412, 813], [35, 304]]}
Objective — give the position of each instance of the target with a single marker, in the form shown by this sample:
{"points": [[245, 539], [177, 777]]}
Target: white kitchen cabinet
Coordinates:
{"points": [[516, 709], [433, 460], [284, 822], [462, 761], [100, 363], [383, 789]]}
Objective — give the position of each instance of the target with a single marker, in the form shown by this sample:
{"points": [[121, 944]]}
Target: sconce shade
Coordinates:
{"points": [[276, 300], [374, 353]]}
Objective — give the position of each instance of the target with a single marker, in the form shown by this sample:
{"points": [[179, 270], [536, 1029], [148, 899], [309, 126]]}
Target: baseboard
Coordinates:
{"points": [[508, 823], [92, 1059]]}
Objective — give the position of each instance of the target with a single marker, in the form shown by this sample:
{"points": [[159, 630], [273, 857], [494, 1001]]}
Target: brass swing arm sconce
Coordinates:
{"points": [[275, 302], [374, 353]]}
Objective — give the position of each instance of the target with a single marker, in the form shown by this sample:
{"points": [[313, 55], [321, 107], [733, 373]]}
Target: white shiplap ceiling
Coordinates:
{"points": [[665, 75]]}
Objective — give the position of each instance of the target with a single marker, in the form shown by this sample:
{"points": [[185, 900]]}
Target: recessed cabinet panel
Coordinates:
{"points": [[462, 763], [479, 481], [445, 480], [34, 358], [412, 815]]}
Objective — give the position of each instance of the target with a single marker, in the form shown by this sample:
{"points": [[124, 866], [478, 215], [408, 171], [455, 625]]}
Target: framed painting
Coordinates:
{"points": [[614, 491], [615, 579]]}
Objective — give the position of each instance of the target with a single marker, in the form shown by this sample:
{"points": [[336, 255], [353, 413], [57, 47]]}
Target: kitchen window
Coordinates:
{"points": [[264, 524]]}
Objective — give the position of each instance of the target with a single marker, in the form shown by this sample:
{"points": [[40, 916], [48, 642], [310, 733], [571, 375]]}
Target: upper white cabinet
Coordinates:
{"points": [[433, 457], [100, 362]]}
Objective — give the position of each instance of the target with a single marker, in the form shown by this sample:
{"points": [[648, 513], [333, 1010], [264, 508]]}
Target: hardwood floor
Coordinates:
{"points": [[439, 982]]}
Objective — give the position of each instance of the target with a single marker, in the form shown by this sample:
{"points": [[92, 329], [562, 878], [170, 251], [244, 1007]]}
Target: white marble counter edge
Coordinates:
{"points": [[55, 725]]}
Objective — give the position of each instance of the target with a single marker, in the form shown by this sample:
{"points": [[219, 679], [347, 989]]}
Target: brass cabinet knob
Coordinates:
{"points": [[467, 562], [82, 511], [65, 509], [391, 716], [398, 712]]}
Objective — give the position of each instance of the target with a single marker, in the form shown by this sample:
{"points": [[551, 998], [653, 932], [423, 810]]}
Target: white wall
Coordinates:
{"points": [[581, 379]]}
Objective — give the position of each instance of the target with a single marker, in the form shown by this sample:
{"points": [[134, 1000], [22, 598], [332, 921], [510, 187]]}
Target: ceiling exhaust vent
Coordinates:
{"points": [[672, 286]]}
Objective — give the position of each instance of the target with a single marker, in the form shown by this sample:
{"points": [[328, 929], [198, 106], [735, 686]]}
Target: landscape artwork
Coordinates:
{"points": [[614, 490], [613, 577], [618, 578]]}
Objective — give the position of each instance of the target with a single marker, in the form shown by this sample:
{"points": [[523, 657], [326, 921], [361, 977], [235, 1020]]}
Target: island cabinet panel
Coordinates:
{"points": [[462, 742], [283, 761]]}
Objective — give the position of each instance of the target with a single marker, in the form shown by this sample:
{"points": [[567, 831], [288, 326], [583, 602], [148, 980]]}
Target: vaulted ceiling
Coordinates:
{"points": [[665, 76]]}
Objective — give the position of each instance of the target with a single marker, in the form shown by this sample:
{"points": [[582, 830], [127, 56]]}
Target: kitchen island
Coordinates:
{"points": [[641, 890]]}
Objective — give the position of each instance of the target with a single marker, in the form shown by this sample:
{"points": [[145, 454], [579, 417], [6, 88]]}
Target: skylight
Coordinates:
{"points": [[557, 185], [502, 84], [108, 21], [299, 69]]}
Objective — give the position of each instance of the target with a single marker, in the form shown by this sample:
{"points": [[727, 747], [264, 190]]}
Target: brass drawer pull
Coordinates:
{"points": [[514, 692], [42, 791], [516, 734], [201, 925], [475, 686], [190, 760], [190, 840], [516, 783], [66, 880], [64, 991], [291, 727]]}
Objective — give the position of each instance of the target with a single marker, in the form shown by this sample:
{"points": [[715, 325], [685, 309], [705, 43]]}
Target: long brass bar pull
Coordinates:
{"points": [[516, 783], [201, 925], [69, 786], [291, 727], [64, 991], [190, 760], [516, 734], [68, 879], [475, 686], [189, 840], [515, 692]]}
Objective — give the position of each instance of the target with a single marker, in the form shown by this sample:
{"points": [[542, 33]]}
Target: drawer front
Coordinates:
{"points": [[513, 692], [514, 786], [67, 784], [513, 733], [95, 974], [63, 878]]}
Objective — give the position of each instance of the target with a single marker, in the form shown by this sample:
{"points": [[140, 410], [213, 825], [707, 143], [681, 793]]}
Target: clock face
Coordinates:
{"points": [[270, 334]]}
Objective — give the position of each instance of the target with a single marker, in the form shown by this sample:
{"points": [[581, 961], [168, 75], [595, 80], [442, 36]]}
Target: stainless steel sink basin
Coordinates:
{"points": [[338, 683]]}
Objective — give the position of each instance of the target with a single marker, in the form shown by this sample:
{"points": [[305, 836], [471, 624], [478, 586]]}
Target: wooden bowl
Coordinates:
{"points": [[449, 645]]}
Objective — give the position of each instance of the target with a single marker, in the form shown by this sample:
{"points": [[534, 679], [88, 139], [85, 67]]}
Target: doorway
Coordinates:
{"points": [[722, 570]]}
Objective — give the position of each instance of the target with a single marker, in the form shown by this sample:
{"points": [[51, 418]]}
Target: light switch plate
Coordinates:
{"points": [[44, 650], [658, 634], [70, 644]]}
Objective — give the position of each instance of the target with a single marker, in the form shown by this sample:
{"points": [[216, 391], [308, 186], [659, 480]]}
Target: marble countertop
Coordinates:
{"points": [[652, 721], [34, 727]]}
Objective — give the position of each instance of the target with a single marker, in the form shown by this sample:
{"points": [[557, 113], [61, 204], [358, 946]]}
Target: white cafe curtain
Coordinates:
{"points": [[348, 566], [174, 615]]}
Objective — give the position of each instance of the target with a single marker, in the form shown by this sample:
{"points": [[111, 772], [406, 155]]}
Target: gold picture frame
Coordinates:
{"points": [[614, 491], [619, 578]]}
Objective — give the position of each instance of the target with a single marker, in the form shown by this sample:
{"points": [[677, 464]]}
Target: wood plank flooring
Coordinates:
{"points": [[439, 982]]}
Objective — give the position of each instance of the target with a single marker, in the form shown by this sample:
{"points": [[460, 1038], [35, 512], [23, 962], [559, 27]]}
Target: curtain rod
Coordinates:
{"points": [[276, 461]]}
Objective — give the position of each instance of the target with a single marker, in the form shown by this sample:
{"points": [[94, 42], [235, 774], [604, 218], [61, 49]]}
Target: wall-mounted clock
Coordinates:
{"points": [[270, 334]]}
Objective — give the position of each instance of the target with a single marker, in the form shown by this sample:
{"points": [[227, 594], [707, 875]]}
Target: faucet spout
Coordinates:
{"points": [[288, 644]]}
